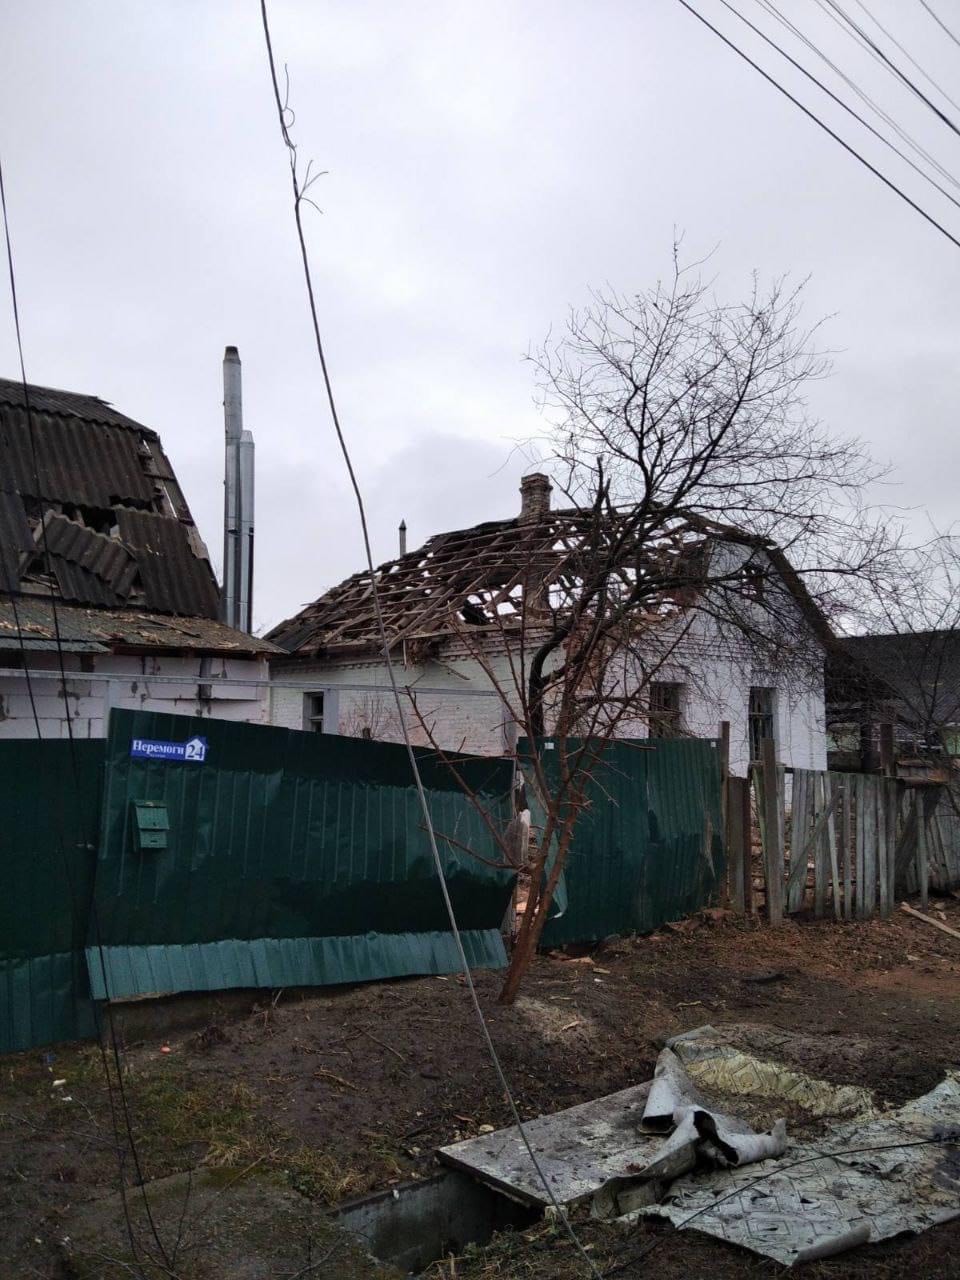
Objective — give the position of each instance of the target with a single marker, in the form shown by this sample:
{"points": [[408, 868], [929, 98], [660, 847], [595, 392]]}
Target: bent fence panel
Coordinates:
{"points": [[50, 797], [235, 855], [649, 845]]}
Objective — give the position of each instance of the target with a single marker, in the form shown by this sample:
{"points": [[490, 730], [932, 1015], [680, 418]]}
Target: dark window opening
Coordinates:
{"points": [[666, 700], [313, 713], [760, 719]]}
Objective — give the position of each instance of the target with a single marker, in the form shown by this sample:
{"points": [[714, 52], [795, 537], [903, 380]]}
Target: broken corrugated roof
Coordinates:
{"points": [[107, 522], [121, 629]]}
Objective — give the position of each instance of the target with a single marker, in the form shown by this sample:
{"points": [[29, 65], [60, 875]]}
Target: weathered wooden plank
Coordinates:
{"points": [[893, 815], [923, 870], [906, 848], [846, 847], [833, 790], [749, 898], [820, 803], [773, 833], [799, 825], [869, 898], [738, 842], [859, 836], [883, 879]]}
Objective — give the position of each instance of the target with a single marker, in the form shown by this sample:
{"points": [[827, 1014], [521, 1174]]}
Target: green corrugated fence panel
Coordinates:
{"points": [[648, 848], [50, 804], [291, 857], [288, 962]]}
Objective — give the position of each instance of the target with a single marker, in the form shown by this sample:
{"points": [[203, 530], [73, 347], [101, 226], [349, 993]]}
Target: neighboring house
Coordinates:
{"points": [[433, 597], [102, 568], [909, 682]]}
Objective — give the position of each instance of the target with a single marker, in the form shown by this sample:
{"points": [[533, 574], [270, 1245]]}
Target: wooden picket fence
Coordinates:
{"points": [[844, 845]]}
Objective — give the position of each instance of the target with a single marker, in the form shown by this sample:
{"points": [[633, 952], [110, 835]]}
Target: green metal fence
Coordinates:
{"points": [[50, 803], [648, 847], [234, 855]]}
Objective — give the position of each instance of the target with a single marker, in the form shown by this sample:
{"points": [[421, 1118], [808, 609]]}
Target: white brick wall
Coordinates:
{"points": [[449, 693], [170, 685]]}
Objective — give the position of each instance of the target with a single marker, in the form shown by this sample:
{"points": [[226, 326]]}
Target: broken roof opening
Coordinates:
{"points": [[91, 510]]}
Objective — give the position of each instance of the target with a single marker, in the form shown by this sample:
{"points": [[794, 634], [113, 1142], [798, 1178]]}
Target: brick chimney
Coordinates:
{"points": [[534, 498]]}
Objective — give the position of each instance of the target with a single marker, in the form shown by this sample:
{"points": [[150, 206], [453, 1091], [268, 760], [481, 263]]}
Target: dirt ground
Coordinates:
{"points": [[330, 1095]]}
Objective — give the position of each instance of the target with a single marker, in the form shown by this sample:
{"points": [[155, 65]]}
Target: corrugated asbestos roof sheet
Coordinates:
{"points": [[129, 629], [90, 568], [84, 463], [118, 529], [172, 574], [66, 404], [15, 538]]}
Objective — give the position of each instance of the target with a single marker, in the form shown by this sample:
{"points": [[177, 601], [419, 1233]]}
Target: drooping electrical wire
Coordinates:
{"points": [[283, 114], [839, 101], [907, 54], [940, 23], [825, 127], [866, 39], [907, 138], [78, 790]]}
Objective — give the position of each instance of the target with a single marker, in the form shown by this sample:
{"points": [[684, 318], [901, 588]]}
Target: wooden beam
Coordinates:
{"points": [[944, 928]]}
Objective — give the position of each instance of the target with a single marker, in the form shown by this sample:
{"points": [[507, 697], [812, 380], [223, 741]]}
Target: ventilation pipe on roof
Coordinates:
{"points": [[403, 537], [237, 601]]}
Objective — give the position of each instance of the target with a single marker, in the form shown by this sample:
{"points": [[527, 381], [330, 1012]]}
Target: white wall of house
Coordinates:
{"points": [[96, 682], [456, 699]]}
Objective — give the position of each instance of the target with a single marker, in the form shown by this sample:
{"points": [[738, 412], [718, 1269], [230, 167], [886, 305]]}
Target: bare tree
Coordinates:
{"points": [[679, 433]]}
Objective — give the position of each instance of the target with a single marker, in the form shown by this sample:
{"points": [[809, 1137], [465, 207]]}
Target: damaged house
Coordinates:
{"points": [[102, 566], [461, 614]]}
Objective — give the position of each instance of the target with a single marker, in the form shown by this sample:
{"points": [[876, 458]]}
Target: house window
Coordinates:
{"points": [[665, 709], [761, 719], [313, 713]]}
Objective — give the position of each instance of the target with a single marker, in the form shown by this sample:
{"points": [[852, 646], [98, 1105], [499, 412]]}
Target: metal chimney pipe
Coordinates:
{"points": [[245, 540], [403, 537], [233, 433]]}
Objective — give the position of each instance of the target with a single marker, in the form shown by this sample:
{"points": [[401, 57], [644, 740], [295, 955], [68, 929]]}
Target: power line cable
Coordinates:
{"points": [[907, 54], [284, 115], [864, 97], [850, 111], [901, 75], [940, 23], [825, 127], [78, 790]]}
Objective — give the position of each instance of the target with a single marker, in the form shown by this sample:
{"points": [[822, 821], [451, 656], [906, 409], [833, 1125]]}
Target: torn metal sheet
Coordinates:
{"points": [[823, 1199], [713, 1060], [609, 1145]]}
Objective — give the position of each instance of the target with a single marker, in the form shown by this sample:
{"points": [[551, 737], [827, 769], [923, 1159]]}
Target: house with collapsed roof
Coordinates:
{"points": [[102, 569], [470, 583]]}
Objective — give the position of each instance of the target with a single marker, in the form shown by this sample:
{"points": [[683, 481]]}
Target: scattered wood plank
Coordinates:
{"points": [[937, 924]]}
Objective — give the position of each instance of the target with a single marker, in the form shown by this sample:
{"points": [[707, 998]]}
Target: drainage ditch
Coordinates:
{"points": [[417, 1223]]}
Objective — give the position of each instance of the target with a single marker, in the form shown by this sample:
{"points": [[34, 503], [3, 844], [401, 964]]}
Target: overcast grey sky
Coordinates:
{"points": [[488, 164]]}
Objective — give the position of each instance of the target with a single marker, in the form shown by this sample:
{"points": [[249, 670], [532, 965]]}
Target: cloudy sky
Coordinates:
{"points": [[487, 165]]}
